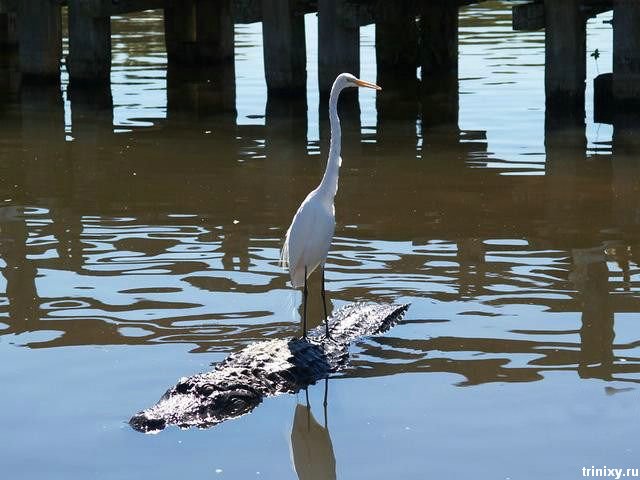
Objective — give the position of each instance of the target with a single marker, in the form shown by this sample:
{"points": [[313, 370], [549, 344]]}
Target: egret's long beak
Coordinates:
{"points": [[362, 83]]}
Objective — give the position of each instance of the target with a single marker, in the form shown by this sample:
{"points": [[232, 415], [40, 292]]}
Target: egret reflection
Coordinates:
{"points": [[311, 447]]}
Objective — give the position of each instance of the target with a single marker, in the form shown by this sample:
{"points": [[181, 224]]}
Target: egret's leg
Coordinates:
{"points": [[304, 306], [324, 304], [324, 403], [306, 392]]}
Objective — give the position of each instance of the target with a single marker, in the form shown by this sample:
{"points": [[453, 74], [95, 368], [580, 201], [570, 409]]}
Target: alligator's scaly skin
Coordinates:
{"points": [[240, 382]]}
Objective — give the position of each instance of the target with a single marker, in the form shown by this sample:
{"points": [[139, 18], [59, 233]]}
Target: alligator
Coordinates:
{"points": [[263, 369]]}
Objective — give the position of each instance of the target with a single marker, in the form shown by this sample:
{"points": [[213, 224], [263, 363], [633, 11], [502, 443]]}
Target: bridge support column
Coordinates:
{"points": [[214, 31], [396, 43], [439, 62], [338, 44], [9, 64], [565, 60], [8, 31], [199, 32], [180, 32], [89, 42], [396, 62], [396, 56], [285, 55], [626, 52], [40, 39], [199, 37]]}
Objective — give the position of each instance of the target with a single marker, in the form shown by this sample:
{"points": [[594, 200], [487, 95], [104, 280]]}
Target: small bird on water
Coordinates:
{"points": [[308, 239]]}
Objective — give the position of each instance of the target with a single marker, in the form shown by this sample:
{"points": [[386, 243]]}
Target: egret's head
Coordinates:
{"points": [[349, 80]]}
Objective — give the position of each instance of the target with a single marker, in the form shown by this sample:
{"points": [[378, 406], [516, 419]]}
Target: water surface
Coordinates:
{"points": [[139, 244]]}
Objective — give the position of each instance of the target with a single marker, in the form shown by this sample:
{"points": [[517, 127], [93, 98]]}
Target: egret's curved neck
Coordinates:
{"points": [[329, 184]]}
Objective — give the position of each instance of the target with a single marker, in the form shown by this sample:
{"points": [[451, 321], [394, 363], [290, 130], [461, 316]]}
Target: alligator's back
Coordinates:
{"points": [[240, 382]]}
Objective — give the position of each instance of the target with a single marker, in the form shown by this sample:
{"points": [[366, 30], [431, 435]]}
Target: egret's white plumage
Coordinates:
{"points": [[308, 239], [315, 223]]}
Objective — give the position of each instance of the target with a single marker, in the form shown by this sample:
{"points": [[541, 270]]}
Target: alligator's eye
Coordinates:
{"points": [[237, 404], [206, 390], [237, 401]]}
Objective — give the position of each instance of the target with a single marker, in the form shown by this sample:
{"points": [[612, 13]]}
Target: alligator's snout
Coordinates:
{"points": [[142, 423], [196, 402]]}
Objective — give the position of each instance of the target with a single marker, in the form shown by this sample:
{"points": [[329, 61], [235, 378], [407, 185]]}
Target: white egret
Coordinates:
{"points": [[308, 239]]}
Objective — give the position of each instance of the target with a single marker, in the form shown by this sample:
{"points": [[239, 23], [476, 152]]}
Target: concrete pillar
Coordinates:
{"points": [[396, 42], [40, 39], [285, 56], [603, 102], [528, 16], [214, 31], [338, 44], [89, 58], [201, 71], [9, 63], [396, 62], [565, 58], [439, 62], [199, 32], [439, 45], [8, 30], [626, 51], [180, 32], [397, 106]]}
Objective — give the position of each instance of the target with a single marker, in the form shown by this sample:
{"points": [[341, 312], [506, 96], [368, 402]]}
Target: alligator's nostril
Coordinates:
{"points": [[142, 423], [182, 387]]}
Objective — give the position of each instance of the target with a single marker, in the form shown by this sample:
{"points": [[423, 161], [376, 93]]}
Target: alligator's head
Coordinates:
{"points": [[197, 403], [236, 386]]}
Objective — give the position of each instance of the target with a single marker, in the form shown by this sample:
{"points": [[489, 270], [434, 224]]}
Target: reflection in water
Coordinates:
{"points": [[187, 251], [154, 214], [311, 446], [200, 93], [591, 278], [19, 272], [9, 72], [102, 239]]}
